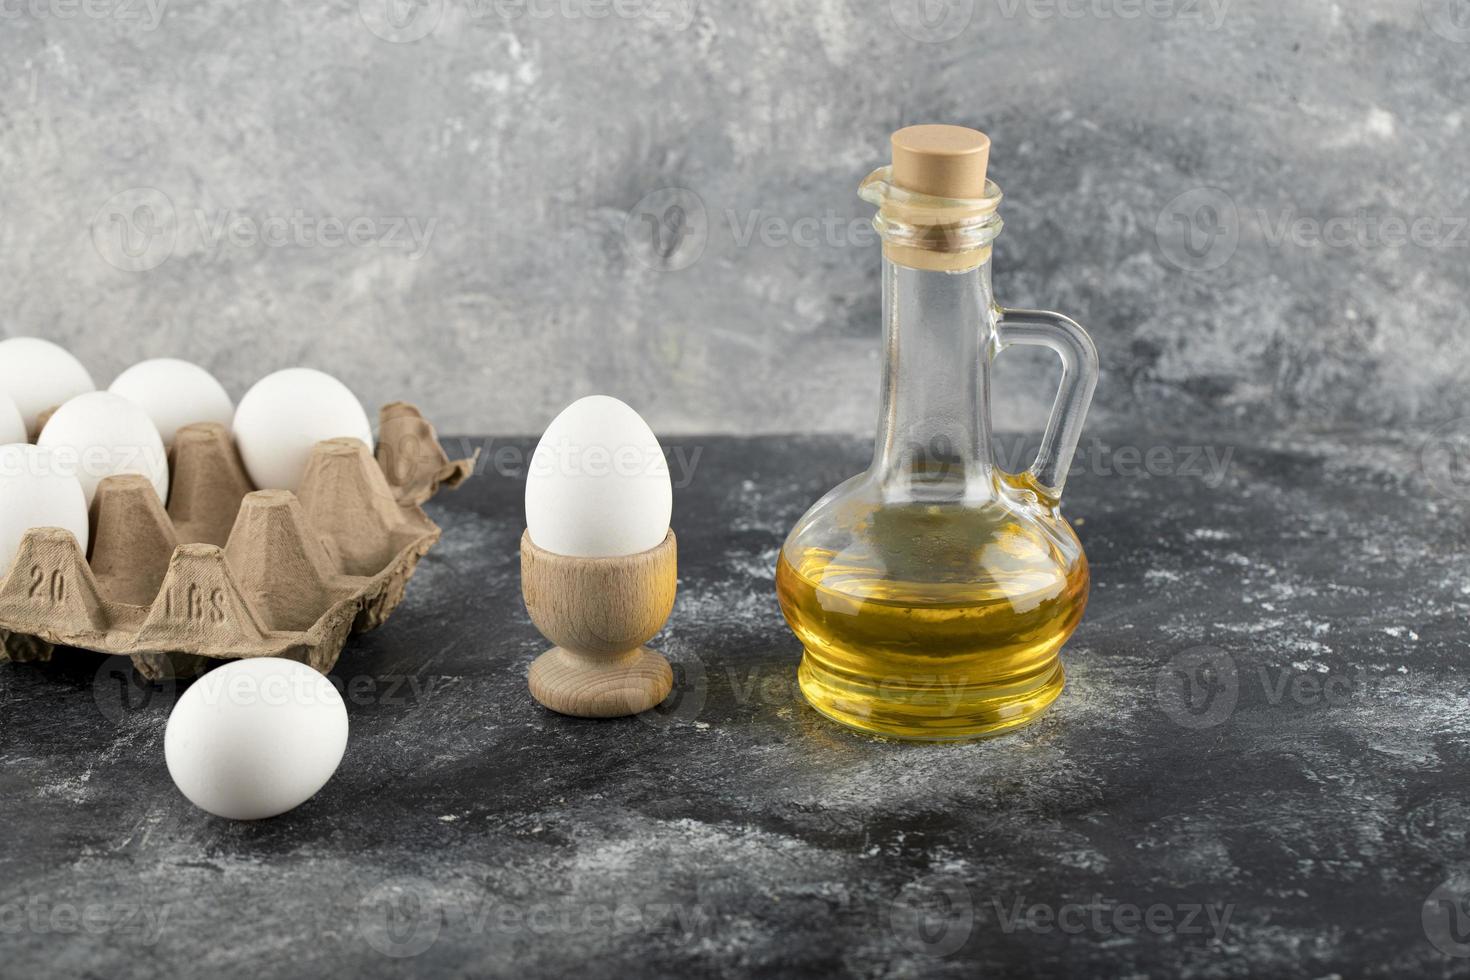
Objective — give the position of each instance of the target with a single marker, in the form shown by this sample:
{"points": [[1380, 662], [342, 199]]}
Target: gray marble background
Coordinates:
{"points": [[1258, 207]]}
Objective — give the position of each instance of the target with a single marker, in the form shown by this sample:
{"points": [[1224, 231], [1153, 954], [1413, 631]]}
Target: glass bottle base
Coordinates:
{"points": [[933, 713]]}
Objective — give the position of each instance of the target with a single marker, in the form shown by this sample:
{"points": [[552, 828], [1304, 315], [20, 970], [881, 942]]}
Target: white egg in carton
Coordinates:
{"points": [[226, 571]]}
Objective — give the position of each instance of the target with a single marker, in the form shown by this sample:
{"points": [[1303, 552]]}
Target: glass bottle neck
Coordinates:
{"points": [[934, 441]]}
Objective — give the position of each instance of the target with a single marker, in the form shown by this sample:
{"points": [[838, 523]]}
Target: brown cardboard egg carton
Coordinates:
{"points": [[226, 571]]}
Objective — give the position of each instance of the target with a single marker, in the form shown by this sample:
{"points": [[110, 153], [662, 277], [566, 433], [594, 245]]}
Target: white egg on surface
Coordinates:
{"points": [[32, 494], [174, 393], [285, 414], [12, 423], [598, 484], [38, 375], [100, 434], [255, 738]]}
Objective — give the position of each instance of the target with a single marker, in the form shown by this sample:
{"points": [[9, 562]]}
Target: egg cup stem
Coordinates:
{"points": [[599, 612]]}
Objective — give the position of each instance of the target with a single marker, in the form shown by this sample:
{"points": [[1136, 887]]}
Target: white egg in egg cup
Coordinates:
{"points": [[599, 612]]}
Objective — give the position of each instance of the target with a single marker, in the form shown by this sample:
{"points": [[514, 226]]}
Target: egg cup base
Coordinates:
{"points": [[574, 684]]}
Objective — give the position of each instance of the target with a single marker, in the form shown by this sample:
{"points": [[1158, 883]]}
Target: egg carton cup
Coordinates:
{"points": [[227, 571]]}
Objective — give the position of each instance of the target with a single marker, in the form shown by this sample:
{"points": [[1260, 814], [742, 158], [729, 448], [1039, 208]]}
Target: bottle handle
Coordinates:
{"points": [[1039, 328]]}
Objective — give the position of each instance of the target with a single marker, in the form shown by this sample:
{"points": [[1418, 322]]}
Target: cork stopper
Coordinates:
{"points": [[936, 210], [941, 161]]}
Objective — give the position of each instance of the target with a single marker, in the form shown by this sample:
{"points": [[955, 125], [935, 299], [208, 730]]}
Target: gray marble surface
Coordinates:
{"points": [[1257, 768], [496, 206]]}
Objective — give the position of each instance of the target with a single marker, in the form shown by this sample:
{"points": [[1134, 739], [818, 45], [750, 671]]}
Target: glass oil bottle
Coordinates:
{"points": [[933, 592]]}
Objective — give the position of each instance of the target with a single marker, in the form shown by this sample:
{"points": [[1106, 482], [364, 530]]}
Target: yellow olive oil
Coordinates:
{"points": [[935, 622]]}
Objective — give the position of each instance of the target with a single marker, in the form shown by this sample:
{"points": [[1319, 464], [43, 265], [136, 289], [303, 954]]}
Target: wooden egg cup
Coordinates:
{"points": [[599, 612]]}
